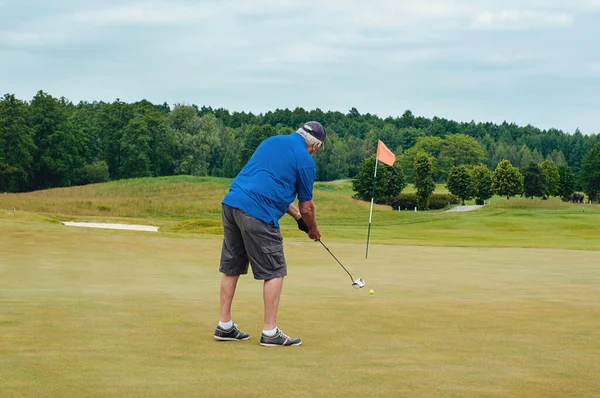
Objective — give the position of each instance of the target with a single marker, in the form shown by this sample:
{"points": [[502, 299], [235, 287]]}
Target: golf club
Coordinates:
{"points": [[358, 283]]}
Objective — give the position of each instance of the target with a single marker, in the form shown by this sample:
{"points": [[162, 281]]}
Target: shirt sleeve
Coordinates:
{"points": [[304, 183]]}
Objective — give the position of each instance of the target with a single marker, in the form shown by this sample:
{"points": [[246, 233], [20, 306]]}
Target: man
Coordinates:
{"points": [[280, 169]]}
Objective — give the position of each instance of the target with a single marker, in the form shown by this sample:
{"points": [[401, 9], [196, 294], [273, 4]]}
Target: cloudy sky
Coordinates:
{"points": [[529, 62]]}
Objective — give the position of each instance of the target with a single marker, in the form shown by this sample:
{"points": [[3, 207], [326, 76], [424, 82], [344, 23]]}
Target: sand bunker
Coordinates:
{"points": [[465, 208], [130, 227]]}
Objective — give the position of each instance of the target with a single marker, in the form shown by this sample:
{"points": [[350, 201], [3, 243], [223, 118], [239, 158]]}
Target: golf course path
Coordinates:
{"points": [[465, 208]]}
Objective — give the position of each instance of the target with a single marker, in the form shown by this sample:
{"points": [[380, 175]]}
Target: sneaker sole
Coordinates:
{"points": [[280, 345], [218, 338]]}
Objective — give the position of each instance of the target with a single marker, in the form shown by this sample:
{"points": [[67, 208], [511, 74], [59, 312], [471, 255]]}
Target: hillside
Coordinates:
{"points": [[191, 205]]}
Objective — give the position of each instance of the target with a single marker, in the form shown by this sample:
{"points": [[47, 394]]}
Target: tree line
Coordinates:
{"points": [[51, 142], [543, 180]]}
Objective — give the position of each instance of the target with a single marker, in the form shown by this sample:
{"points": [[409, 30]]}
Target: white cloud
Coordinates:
{"points": [[177, 12], [592, 3], [258, 54], [521, 19], [404, 57], [301, 54], [379, 13], [145, 13], [386, 14], [19, 39]]}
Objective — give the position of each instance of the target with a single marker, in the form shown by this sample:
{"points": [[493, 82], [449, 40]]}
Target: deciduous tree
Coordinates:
{"points": [[552, 178], [566, 182], [195, 138], [590, 173], [460, 183], [424, 184], [429, 145], [482, 184], [16, 145], [507, 180], [59, 141], [390, 181], [253, 137], [534, 180], [459, 149]]}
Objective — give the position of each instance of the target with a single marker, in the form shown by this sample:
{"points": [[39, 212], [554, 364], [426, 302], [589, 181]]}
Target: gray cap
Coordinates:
{"points": [[315, 129]]}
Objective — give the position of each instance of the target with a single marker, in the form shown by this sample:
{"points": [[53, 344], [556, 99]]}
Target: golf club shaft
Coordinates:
{"points": [[337, 260]]}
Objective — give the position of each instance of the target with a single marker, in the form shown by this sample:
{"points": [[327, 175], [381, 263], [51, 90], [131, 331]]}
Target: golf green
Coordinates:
{"points": [[91, 313]]}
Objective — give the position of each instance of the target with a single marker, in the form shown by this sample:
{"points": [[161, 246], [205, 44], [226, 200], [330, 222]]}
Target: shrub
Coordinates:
{"points": [[408, 201], [92, 173], [404, 201], [439, 201]]}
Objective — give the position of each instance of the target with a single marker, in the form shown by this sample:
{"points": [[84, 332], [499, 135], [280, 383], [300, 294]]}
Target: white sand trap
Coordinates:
{"points": [[130, 227], [465, 208]]}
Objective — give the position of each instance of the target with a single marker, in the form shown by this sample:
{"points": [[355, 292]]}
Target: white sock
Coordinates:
{"points": [[226, 325], [271, 332]]}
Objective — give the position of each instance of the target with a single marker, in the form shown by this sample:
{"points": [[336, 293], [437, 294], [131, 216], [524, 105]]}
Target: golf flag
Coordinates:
{"points": [[386, 156]]}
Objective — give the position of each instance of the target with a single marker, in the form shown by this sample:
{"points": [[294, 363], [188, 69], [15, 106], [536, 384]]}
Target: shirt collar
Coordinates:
{"points": [[298, 137]]}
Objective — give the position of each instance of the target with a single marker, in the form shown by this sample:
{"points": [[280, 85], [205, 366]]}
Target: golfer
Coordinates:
{"points": [[280, 169]]}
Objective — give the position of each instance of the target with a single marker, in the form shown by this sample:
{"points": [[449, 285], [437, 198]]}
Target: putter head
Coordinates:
{"points": [[359, 283]]}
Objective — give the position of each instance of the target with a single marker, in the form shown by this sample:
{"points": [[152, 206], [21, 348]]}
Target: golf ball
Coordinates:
{"points": [[371, 291]]}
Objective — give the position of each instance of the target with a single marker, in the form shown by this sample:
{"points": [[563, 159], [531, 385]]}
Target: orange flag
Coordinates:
{"points": [[384, 154]]}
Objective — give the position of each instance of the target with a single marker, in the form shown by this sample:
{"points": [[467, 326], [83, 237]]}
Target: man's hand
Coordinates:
{"points": [[302, 225], [308, 212], [315, 233]]}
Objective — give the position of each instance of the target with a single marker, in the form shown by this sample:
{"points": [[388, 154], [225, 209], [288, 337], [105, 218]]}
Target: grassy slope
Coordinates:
{"points": [[192, 205]]}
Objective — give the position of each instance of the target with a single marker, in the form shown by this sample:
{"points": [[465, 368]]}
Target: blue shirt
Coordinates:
{"points": [[279, 169]]}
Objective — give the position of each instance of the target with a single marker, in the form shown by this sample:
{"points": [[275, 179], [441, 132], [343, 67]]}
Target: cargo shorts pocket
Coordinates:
{"points": [[274, 258]]}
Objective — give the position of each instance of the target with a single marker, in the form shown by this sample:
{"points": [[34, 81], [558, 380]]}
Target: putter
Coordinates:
{"points": [[356, 283]]}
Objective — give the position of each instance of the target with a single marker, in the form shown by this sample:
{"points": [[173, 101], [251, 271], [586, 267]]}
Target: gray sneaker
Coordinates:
{"points": [[233, 334], [280, 339]]}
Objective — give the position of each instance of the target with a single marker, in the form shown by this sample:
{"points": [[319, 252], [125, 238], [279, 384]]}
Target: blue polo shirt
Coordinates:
{"points": [[280, 169]]}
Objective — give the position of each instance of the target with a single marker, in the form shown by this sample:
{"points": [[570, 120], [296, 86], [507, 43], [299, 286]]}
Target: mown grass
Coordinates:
{"points": [[508, 312], [114, 313]]}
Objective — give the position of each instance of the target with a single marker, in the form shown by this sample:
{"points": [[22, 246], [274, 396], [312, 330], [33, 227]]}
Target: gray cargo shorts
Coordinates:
{"points": [[250, 240]]}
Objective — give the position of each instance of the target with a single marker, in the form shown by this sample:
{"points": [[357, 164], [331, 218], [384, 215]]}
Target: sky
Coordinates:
{"points": [[526, 62]]}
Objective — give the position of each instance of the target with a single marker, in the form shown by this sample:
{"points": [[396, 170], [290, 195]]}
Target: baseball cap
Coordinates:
{"points": [[315, 129]]}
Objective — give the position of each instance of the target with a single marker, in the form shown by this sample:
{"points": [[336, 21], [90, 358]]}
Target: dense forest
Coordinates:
{"points": [[52, 142]]}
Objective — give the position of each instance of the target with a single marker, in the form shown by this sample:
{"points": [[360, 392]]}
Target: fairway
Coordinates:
{"points": [[117, 313]]}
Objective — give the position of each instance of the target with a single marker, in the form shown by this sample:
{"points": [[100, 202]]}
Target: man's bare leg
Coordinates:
{"points": [[228, 285], [271, 295], [227, 330]]}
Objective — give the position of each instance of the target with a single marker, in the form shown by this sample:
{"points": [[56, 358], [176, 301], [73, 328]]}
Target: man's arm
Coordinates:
{"points": [[294, 212], [309, 215]]}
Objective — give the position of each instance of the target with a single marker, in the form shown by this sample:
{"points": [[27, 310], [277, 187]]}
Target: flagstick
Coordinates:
{"points": [[371, 212]]}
